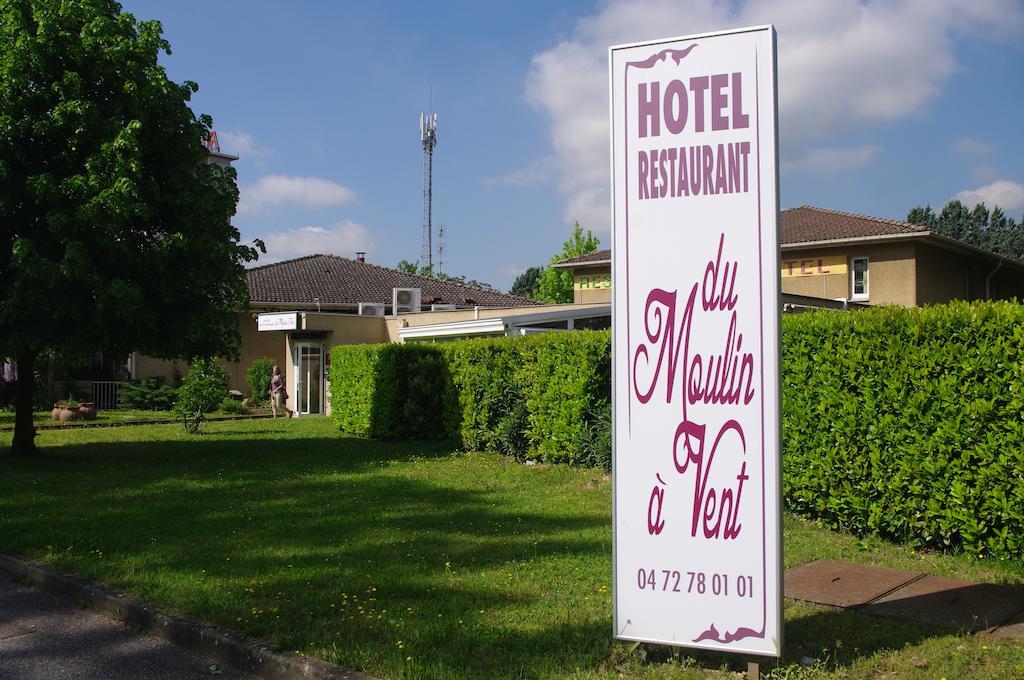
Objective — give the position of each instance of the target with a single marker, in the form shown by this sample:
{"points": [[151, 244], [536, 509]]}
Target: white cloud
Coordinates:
{"points": [[1002, 193], [511, 270], [344, 239], [274, 190], [842, 64], [536, 173], [822, 160], [240, 143], [969, 146]]}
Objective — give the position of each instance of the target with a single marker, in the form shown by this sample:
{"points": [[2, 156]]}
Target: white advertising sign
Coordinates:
{"points": [[285, 321], [697, 547]]}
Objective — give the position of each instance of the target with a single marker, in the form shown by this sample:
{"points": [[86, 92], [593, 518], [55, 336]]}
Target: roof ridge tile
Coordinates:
{"points": [[880, 220]]}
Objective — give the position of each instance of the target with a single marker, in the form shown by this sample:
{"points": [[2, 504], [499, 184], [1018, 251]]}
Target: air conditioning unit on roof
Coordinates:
{"points": [[406, 300], [371, 309], [443, 308]]}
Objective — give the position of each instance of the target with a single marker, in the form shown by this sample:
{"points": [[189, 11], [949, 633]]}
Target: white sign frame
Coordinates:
{"points": [[278, 321], [657, 526]]}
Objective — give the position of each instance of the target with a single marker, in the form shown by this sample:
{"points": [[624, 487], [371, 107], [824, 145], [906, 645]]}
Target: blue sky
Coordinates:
{"points": [[884, 105]]}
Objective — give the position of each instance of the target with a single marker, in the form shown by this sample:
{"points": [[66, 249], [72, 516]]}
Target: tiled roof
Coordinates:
{"points": [[808, 224], [596, 257], [338, 280]]}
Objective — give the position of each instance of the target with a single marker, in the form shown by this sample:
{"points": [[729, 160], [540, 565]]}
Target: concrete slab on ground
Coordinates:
{"points": [[43, 637], [950, 602], [843, 584], [1012, 629]]}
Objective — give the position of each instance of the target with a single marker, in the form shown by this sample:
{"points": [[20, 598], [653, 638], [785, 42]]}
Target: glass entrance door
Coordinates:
{"points": [[309, 381]]}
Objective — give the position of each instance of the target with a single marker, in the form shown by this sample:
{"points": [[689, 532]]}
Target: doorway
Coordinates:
{"points": [[309, 378]]}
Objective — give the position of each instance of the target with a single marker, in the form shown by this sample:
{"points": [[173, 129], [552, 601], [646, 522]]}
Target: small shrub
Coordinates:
{"points": [[231, 406], [511, 435], [204, 388], [258, 377], [148, 394], [598, 449]]}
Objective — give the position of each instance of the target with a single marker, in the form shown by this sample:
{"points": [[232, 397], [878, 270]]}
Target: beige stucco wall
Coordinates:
{"points": [[891, 273], [253, 346], [943, 275], [592, 284], [150, 367]]}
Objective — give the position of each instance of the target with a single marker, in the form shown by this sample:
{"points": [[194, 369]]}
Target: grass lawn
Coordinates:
{"points": [[409, 561]]}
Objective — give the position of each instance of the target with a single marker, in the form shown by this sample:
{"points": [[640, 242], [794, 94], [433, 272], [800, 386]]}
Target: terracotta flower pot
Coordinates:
{"points": [[55, 413], [68, 414], [87, 410]]}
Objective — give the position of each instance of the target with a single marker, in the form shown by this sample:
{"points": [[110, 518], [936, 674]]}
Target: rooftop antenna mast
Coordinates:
{"points": [[428, 138]]}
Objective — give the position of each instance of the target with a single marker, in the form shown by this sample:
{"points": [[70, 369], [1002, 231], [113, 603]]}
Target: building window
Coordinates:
{"points": [[859, 278]]}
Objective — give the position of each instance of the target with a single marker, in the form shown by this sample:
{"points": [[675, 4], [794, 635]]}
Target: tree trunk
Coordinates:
{"points": [[24, 443]]}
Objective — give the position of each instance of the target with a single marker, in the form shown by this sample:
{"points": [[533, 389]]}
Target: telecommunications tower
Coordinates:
{"points": [[428, 137], [440, 250]]}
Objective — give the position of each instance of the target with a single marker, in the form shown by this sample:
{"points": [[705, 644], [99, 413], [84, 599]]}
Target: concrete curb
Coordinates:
{"points": [[216, 644]]}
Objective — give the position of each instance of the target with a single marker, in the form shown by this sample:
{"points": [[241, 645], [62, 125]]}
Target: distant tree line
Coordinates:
{"points": [[427, 271], [990, 230]]}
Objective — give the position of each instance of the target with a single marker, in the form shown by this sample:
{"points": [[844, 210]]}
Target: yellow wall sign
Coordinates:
{"points": [[593, 282], [813, 266]]}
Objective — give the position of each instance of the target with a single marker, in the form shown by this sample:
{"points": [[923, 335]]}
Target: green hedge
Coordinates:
{"points": [[904, 422], [385, 391], [526, 397], [909, 423], [537, 396]]}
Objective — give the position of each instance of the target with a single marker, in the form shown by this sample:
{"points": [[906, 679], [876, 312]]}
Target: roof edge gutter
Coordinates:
{"points": [[576, 265]]}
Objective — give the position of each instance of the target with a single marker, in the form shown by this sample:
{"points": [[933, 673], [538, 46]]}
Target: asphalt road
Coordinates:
{"points": [[43, 637]]}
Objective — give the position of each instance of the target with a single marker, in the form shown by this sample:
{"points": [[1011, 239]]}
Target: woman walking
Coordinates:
{"points": [[278, 395]]}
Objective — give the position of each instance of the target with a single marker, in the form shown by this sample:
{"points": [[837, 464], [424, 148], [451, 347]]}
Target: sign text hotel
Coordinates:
{"points": [[696, 316]]}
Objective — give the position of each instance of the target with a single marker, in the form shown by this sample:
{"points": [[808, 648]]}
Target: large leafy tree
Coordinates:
{"points": [[555, 285], [115, 232]]}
